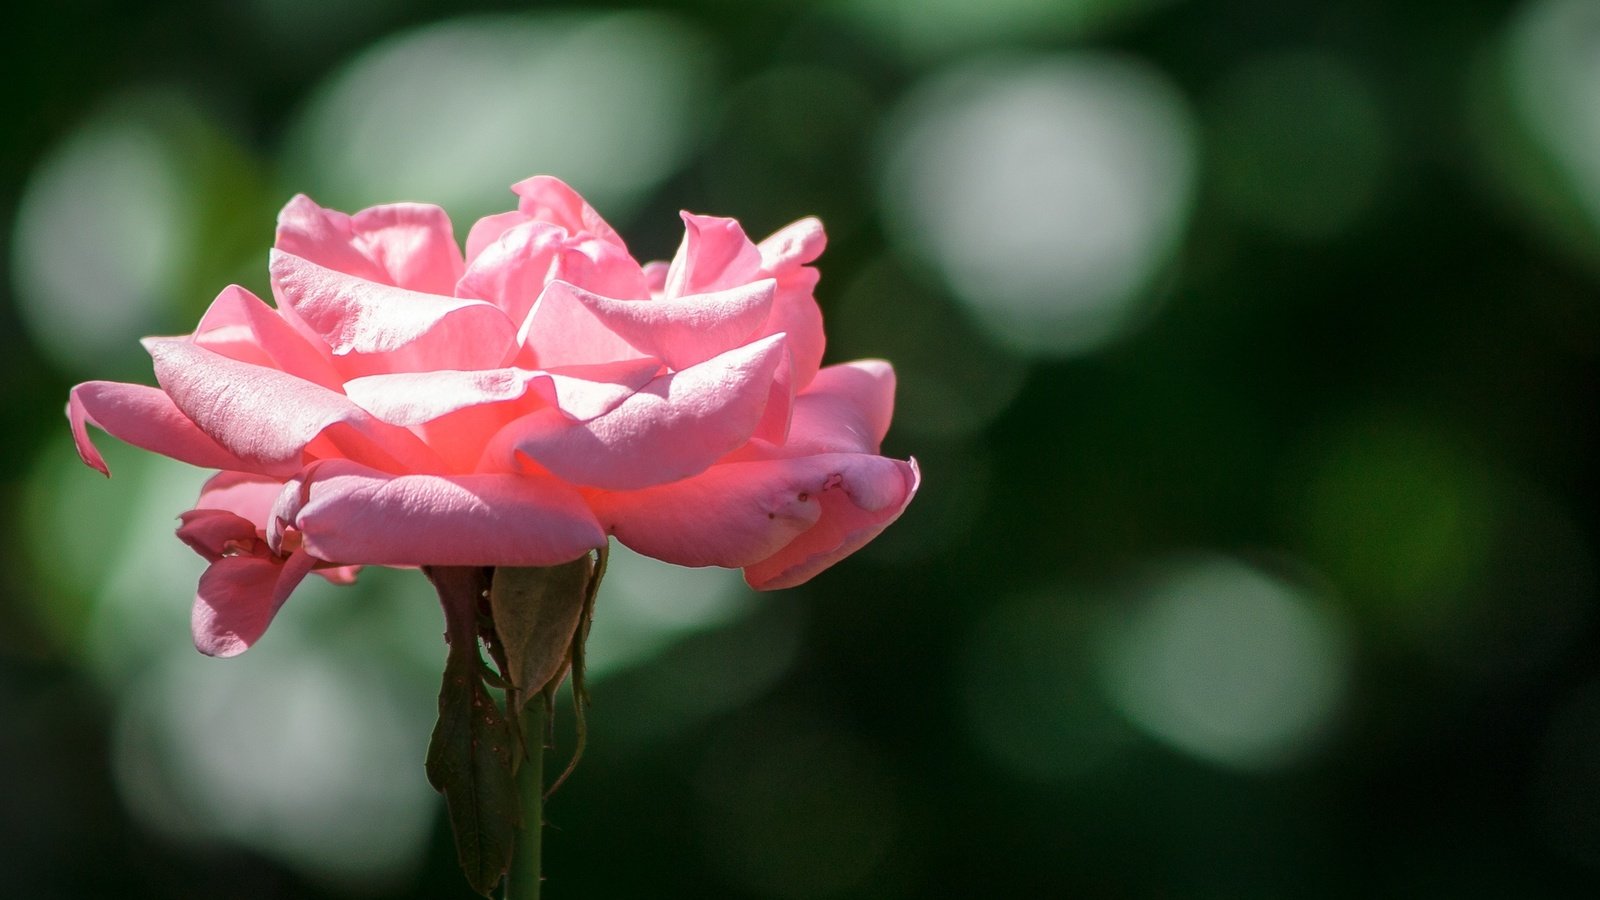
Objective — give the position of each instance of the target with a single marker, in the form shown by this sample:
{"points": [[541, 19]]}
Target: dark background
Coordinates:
{"points": [[1249, 349]]}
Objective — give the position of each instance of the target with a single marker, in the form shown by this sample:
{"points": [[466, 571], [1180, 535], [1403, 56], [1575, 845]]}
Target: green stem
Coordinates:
{"points": [[522, 882]]}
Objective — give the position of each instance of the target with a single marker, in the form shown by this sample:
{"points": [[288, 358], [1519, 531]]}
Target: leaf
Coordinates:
{"points": [[470, 755], [538, 613], [577, 655]]}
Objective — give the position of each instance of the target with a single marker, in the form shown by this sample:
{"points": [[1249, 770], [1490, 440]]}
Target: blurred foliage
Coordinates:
{"points": [[1249, 348]]}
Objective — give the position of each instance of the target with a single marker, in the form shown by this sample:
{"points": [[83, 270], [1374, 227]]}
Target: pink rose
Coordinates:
{"points": [[405, 406]]}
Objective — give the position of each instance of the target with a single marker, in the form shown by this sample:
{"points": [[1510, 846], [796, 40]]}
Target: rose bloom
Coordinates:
{"points": [[405, 405]]}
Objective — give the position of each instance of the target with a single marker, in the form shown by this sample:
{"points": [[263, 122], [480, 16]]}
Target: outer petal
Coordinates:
{"points": [[715, 255], [146, 418], [354, 514], [268, 420], [239, 326], [684, 331], [238, 597], [674, 427], [795, 313], [794, 244], [785, 518], [409, 245], [214, 533], [845, 410], [853, 513], [383, 328], [245, 495]]}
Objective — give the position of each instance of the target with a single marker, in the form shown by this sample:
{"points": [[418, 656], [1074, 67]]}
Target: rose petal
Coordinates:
{"points": [[672, 428], [561, 330], [340, 575], [355, 514], [762, 514], [715, 255], [269, 419], [488, 229], [413, 398], [380, 328], [243, 494], [794, 244], [144, 417], [546, 198], [655, 278], [684, 331], [408, 245], [512, 271], [239, 326], [238, 597], [796, 314], [854, 511], [209, 532], [774, 425], [846, 409]]}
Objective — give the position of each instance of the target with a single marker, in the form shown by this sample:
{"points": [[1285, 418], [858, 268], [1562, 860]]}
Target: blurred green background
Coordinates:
{"points": [[1249, 349]]}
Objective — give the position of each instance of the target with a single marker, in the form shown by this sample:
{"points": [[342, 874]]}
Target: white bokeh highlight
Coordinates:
{"points": [[103, 231], [453, 113], [1226, 663], [1048, 192], [1553, 68]]}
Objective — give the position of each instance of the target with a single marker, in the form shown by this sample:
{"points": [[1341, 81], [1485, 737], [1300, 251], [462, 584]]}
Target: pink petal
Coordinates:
{"points": [[238, 597], [144, 417], [546, 198], [408, 245], [412, 398], [855, 509], [488, 229], [715, 255], [684, 331], [383, 329], [239, 326], [762, 514], [795, 313], [340, 574], [245, 495], [414, 243], [583, 392], [775, 419], [212, 533], [561, 330], [512, 271], [846, 409], [357, 515], [270, 420], [672, 428], [794, 244], [655, 278]]}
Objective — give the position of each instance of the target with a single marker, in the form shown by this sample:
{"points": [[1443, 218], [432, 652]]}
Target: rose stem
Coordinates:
{"points": [[522, 882]]}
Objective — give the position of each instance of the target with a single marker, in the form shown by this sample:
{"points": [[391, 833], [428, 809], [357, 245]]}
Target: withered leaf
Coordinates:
{"points": [[537, 613], [470, 755]]}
